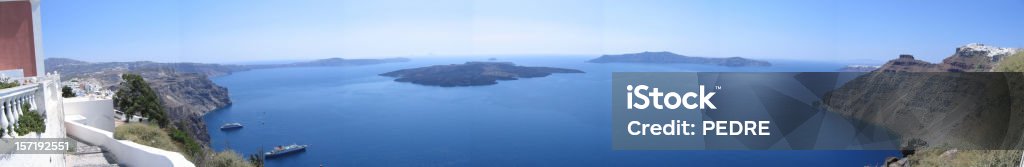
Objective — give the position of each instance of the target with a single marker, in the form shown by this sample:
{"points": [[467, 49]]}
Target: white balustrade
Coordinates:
{"points": [[11, 100]]}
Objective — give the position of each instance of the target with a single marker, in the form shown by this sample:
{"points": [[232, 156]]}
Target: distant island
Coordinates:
{"points": [[331, 62], [859, 68], [672, 58], [471, 73]]}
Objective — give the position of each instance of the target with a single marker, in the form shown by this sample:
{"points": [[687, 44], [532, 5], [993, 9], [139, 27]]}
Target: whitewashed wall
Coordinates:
{"points": [[125, 152], [99, 113]]}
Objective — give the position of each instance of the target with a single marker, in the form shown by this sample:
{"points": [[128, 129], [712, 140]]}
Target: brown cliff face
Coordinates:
{"points": [[938, 109], [187, 97], [185, 90], [907, 63], [1015, 130], [959, 110], [950, 110], [969, 59]]}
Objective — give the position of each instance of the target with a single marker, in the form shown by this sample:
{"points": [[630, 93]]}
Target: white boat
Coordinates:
{"points": [[233, 125], [284, 150]]}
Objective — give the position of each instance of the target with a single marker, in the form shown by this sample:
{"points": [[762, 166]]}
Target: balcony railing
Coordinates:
{"points": [[11, 104], [38, 93], [42, 94]]}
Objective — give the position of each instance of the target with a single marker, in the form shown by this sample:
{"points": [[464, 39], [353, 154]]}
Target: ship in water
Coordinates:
{"points": [[230, 126], [285, 150]]}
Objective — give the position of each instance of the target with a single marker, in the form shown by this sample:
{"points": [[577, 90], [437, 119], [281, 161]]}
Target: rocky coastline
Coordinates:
{"points": [[185, 89], [946, 117]]}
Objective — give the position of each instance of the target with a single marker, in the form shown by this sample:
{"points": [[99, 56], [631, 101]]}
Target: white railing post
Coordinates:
{"points": [[17, 111], [10, 115], [3, 116], [32, 101], [13, 111]]}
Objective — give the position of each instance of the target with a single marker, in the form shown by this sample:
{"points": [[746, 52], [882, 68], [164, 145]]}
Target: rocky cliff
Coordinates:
{"points": [[968, 58], [943, 116], [976, 58], [950, 110], [907, 63], [185, 96]]}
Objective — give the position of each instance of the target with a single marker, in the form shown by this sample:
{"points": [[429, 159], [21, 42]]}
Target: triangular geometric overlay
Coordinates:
{"points": [[805, 124], [788, 114]]}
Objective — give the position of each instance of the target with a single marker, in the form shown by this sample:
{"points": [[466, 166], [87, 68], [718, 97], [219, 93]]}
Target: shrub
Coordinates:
{"points": [[1014, 63], [145, 134], [30, 121], [227, 158], [190, 146], [6, 82], [176, 140], [256, 159]]}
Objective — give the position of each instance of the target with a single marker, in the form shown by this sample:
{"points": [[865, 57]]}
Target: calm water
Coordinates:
{"points": [[351, 117]]}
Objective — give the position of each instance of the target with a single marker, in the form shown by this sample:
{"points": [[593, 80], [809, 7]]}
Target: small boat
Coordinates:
{"points": [[229, 126], [284, 150]]}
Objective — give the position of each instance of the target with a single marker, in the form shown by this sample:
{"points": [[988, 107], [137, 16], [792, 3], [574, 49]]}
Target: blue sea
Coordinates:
{"points": [[350, 116]]}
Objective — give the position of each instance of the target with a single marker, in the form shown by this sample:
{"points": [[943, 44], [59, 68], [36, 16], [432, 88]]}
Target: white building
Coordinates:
{"points": [[82, 87]]}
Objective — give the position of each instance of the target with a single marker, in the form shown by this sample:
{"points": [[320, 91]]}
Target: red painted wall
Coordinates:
{"points": [[17, 44]]}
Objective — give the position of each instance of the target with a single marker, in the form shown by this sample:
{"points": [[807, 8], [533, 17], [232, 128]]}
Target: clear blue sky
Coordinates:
{"points": [[257, 30]]}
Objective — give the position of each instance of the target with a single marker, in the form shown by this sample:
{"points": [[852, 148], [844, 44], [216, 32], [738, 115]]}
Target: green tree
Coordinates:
{"points": [[136, 97], [66, 92]]}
